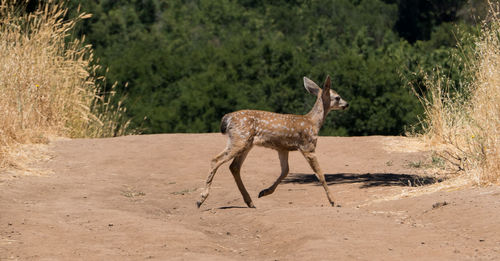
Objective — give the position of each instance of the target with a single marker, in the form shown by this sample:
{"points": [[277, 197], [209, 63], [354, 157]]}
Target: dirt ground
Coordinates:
{"points": [[133, 198]]}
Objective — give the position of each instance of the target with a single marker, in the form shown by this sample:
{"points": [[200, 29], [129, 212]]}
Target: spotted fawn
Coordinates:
{"points": [[281, 132]]}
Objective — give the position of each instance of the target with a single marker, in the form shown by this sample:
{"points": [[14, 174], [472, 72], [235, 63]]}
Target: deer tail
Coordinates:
{"points": [[225, 123]]}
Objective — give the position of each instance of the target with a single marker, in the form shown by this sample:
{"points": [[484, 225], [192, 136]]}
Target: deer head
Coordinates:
{"points": [[330, 99]]}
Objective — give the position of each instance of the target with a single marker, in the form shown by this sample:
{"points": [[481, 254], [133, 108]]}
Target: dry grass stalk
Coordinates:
{"points": [[47, 84], [463, 124]]}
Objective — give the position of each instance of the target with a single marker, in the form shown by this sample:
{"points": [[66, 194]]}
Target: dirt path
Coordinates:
{"points": [[133, 198]]}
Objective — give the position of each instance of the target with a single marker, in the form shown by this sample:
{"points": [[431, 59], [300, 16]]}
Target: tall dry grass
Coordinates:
{"points": [[48, 85], [462, 122]]}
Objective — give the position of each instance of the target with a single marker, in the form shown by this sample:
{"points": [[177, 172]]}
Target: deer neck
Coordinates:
{"points": [[318, 113]]}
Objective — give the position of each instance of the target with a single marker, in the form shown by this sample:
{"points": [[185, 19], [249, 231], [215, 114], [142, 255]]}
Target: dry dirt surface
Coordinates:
{"points": [[134, 198]]}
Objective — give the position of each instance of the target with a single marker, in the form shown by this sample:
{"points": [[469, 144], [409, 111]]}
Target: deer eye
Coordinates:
{"points": [[337, 98]]}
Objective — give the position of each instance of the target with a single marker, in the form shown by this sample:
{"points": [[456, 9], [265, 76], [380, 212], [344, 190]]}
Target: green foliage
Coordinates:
{"points": [[187, 63], [417, 18]]}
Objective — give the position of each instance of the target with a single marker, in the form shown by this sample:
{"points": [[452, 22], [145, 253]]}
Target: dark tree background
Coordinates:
{"points": [[187, 63]]}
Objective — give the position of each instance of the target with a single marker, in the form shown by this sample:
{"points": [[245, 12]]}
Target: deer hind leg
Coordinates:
{"points": [[230, 152], [235, 168], [313, 162], [283, 155]]}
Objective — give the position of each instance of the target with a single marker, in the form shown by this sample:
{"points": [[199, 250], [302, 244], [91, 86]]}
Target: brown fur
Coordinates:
{"points": [[282, 132]]}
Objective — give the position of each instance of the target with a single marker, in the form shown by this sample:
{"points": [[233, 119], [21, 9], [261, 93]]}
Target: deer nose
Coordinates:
{"points": [[346, 105]]}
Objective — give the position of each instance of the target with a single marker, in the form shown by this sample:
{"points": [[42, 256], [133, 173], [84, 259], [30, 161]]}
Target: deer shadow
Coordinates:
{"points": [[367, 180], [231, 207]]}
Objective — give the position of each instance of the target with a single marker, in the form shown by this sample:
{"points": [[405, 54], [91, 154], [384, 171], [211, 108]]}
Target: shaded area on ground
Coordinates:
{"points": [[367, 180]]}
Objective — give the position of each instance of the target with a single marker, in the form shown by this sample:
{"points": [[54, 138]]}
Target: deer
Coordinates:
{"points": [[281, 132]]}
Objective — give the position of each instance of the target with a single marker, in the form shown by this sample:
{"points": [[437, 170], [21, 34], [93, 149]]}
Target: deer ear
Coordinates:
{"points": [[325, 95], [311, 87]]}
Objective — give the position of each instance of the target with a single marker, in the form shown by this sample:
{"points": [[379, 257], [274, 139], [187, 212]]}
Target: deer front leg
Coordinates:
{"points": [[283, 155], [235, 168], [313, 162]]}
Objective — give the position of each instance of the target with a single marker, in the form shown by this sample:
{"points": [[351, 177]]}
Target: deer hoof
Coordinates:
{"points": [[264, 192], [198, 204]]}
